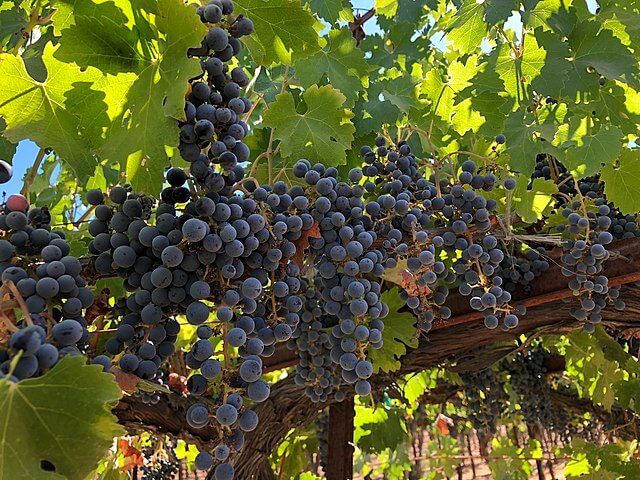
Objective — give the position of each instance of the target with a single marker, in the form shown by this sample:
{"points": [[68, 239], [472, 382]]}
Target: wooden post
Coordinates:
{"points": [[340, 461]]}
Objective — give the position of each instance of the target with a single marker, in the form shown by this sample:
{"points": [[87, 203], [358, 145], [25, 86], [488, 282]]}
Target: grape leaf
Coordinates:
{"points": [[322, 134], [524, 132], [401, 91], [7, 148], [62, 417], [102, 35], [549, 80], [283, 30], [379, 429], [332, 10], [387, 8], [371, 115], [14, 16], [531, 204], [341, 61], [442, 94], [48, 113], [553, 14], [398, 334], [496, 11], [153, 98], [597, 49], [590, 151], [480, 114], [467, 27], [621, 180]]}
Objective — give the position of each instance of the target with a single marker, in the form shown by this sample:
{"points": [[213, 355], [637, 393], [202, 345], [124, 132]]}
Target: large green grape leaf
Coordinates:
{"points": [[499, 10], [62, 417], [14, 16], [332, 10], [549, 81], [621, 180], [55, 112], [525, 132], [387, 8], [379, 429], [102, 34], [153, 97], [598, 49], [480, 114], [398, 334], [442, 93], [321, 134], [553, 14], [401, 91], [371, 115], [467, 27], [586, 153], [283, 32], [341, 61], [532, 203]]}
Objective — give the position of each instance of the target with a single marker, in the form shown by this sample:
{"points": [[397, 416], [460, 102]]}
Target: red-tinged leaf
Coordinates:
{"points": [[100, 306], [401, 276], [443, 423], [303, 243], [178, 383], [132, 456], [126, 381]]}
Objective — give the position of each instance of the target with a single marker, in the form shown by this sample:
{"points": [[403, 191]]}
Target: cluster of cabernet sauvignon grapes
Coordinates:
{"points": [[485, 399], [528, 378], [37, 261]]}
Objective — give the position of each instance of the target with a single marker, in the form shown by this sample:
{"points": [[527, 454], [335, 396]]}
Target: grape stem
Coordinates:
{"points": [[9, 285], [33, 172]]}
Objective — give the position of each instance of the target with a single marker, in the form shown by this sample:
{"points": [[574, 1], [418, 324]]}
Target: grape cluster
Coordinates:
{"points": [[322, 433], [37, 261], [528, 378], [584, 255], [212, 132], [485, 399], [160, 465]]}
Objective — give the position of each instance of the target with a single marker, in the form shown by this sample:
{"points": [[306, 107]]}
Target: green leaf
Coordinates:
{"points": [[590, 151], [467, 27], [341, 61], [332, 10], [550, 79], [553, 14], [153, 98], [322, 133], [499, 10], [48, 112], [102, 35], [283, 33], [62, 417], [621, 180], [598, 49], [379, 429], [387, 8], [7, 148], [531, 204], [524, 132], [371, 115], [399, 333], [401, 91], [14, 16]]}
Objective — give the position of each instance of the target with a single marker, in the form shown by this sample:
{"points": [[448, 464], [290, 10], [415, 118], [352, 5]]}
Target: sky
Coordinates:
{"points": [[27, 150]]}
